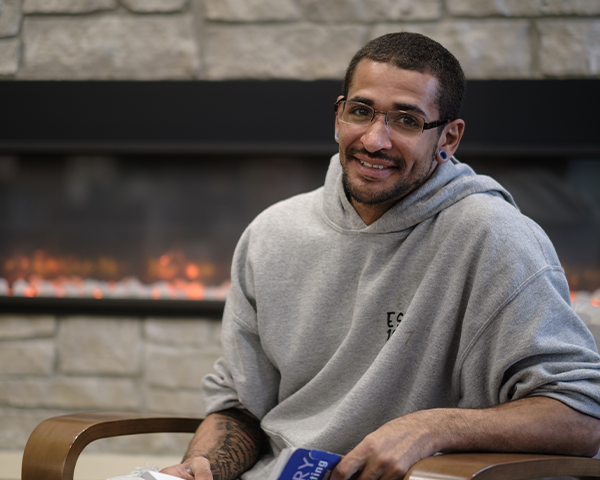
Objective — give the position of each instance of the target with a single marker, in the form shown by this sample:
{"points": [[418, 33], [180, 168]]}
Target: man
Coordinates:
{"points": [[404, 309]]}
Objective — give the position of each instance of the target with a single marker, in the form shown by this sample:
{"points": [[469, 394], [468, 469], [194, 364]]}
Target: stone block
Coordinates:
{"points": [[290, 51], [26, 326], [27, 357], [9, 65], [155, 6], [482, 8], [93, 345], [486, 49], [250, 10], [150, 444], [177, 367], [70, 393], [10, 18], [17, 425], [176, 402], [145, 47], [569, 47], [193, 332], [68, 6], [371, 10]]}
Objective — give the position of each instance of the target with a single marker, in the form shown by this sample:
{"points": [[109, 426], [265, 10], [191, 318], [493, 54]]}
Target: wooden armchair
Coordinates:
{"points": [[55, 445]]}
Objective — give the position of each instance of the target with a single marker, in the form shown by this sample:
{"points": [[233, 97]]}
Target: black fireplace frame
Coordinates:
{"points": [[541, 120]]}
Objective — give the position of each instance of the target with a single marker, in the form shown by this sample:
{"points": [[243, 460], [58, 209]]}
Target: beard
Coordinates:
{"points": [[368, 196]]}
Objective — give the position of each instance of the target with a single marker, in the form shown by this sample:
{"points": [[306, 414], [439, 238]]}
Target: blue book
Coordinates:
{"points": [[304, 464]]}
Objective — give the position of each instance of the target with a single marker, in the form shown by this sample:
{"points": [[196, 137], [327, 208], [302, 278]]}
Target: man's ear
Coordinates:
{"points": [[337, 123], [450, 137]]}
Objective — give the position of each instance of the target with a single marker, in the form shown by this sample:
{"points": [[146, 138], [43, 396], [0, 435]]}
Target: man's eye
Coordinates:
{"points": [[360, 112], [406, 120]]}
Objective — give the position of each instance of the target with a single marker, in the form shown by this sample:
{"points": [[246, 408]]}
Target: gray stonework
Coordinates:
{"points": [[109, 47], [30, 326], [251, 10], [68, 6], [52, 366], [569, 47], [10, 49], [179, 402], [155, 6], [177, 367], [291, 51], [10, 18], [171, 331], [101, 346], [27, 357], [485, 48], [482, 8], [17, 425], [74, 393], [285, 39], [154, 443], [371, 10]]}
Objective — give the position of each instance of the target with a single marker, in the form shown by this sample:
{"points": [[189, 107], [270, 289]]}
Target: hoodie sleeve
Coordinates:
{"points": [[244, 377], [536, 345]]}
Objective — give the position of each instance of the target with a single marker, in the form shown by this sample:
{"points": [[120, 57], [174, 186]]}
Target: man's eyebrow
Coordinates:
{"points": [[365, 100], [407, 107]]}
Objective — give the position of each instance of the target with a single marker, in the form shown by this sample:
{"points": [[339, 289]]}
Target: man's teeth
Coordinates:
{"points": [[381, 167]]}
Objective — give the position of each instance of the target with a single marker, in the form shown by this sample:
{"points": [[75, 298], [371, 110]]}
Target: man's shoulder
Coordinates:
{"points": [[296, 210], [486, 221]]}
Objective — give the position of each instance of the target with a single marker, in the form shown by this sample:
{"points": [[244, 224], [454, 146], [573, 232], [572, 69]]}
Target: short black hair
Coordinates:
{"points": [[413, 51]]}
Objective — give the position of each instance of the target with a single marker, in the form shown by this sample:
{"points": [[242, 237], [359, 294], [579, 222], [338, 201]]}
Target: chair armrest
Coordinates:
{"points": [[502, 466], [54, 446]]}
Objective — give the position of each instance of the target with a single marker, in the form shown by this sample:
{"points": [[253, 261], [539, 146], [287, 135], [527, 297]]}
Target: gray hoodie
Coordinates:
{"points": [[452, 298]]}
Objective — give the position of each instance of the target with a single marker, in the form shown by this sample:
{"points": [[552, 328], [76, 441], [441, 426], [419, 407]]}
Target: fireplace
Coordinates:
{"points": [[130, 196]]}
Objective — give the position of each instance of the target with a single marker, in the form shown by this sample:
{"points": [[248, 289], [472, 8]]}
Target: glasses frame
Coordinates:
{"points": [[426, 125]]}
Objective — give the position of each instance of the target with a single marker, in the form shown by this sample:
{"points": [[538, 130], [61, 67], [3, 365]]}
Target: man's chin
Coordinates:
{"points": [[370, 193]]}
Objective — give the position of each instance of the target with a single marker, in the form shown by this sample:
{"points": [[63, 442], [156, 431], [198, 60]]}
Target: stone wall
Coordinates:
{"points": [[55, 365], [298, 39]]}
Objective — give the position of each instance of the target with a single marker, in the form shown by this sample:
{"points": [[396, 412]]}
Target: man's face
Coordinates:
{"points": [[407, 161]]}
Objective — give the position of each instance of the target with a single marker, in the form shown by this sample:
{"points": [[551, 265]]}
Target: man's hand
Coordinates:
{"points": [[529, 425], [197, 468], [391, 450]]}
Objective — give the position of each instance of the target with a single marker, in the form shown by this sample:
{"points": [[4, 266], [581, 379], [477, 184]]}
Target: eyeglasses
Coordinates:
{"points": [[406, 123]]}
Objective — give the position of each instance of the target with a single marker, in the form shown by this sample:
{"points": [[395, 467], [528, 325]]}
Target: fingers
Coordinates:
{"points": [[197, 468], [377, 457], [375, 468], [350, 466]]}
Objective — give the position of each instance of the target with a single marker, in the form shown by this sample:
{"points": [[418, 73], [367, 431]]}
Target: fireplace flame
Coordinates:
{"points": [[170, 276]]}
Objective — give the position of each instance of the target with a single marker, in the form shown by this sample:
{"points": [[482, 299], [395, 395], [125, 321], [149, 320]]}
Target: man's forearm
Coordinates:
{"points": [[534, 425], [230, 440]]}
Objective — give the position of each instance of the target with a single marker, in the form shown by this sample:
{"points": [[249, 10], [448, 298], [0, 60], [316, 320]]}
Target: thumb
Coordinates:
{"points": [[196, 468], [180, 471]]}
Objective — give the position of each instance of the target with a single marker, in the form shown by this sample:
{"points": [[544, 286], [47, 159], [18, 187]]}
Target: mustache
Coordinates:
{"points": [[378, 155]]}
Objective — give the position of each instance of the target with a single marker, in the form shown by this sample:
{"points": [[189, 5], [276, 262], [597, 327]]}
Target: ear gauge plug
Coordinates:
{"points": [[337, 134], [443, 156]]}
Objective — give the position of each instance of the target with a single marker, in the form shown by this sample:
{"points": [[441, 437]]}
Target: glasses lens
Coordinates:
{"points": [[356, 113], [405, 123]]}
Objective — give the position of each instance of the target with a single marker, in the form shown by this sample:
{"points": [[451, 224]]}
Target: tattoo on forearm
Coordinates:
{"points": [[239, 447]]}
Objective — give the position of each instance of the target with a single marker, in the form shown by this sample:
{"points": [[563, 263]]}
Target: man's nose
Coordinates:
{"points": [[377, 136]]}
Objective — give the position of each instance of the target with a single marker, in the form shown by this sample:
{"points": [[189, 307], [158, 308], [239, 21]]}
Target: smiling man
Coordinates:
{"points": [[403, 309]]}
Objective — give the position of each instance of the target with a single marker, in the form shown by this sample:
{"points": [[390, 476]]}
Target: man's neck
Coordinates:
{"points": [[371, 213]]}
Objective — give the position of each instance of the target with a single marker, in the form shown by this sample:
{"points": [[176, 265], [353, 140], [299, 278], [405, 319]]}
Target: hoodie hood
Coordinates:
{"points": [[449, 183]]}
